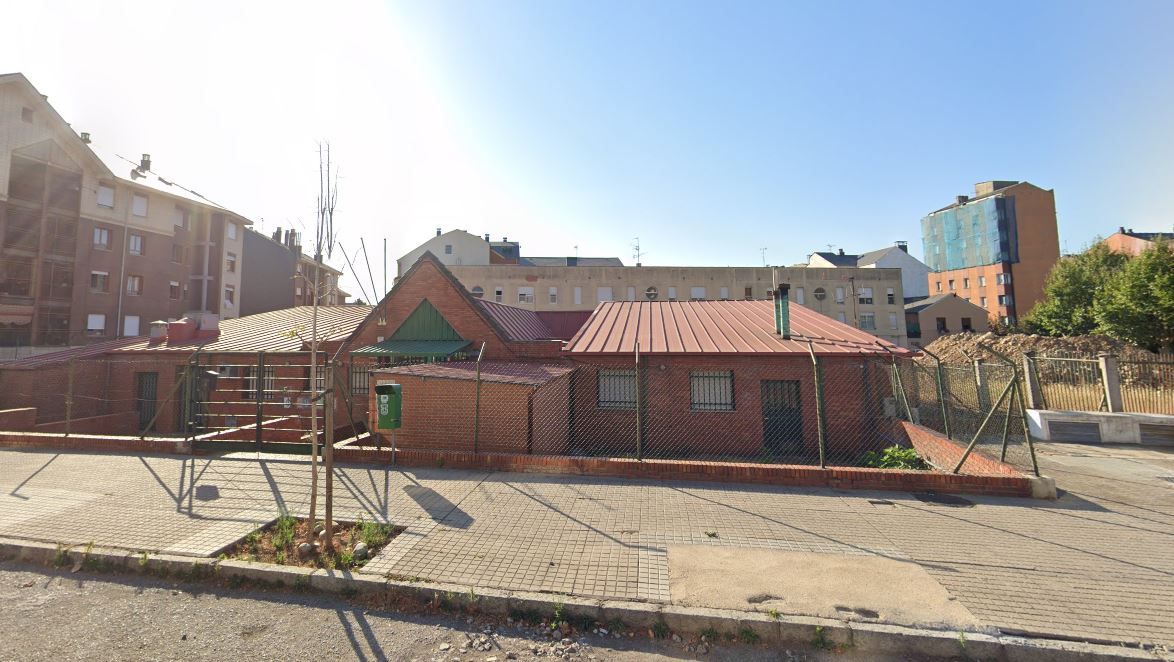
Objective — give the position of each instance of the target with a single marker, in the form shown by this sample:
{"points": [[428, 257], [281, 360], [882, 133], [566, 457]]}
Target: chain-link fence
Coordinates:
{"points": [[808, 410]]}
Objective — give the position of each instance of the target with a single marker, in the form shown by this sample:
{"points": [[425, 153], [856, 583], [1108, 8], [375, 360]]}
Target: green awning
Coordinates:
{"points": [[413, 348]]}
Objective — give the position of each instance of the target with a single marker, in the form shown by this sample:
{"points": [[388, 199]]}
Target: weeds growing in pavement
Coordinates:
{"points": [[711, 534], [894, 457], [558, 615], [660, 629], [821, 640], [773, 613], [710, 634], [748, 636], [615, 625], [61, 556], [142, 559]]}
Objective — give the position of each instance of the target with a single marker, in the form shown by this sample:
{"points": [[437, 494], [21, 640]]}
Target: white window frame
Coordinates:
{"points": [[134, 278], [799, 296], [697, 293], [839, 295], [126, 325], [893, 321], [603, 294], [230, 262], [843, 319], [139, 205], [578, 296], [498, 294], [104, 234], [867, 321], [552, 292], [178, 290], [106, 196], [130, 244], [231, 230], [631, 293], [890, 296], [526, 294], [104, 274], [230, 296], [672, 293], [96, 324], [724, 294], [865, 296]]}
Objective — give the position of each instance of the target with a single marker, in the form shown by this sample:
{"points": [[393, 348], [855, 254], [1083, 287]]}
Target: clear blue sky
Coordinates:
{"points": [[713, 129], [709, 130]]}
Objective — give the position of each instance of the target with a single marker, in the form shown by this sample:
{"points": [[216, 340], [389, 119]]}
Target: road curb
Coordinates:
{"points": [[796, 631]]}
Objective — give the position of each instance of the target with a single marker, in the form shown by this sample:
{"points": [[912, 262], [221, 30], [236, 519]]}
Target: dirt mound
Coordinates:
{"points": [[955, 347]]}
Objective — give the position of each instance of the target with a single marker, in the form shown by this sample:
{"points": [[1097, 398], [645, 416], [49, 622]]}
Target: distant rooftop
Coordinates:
{"points": [[1147, 236], [570, 261]]}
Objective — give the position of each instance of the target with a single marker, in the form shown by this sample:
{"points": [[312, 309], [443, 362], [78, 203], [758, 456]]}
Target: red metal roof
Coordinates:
{"points": [[564, 324], [716, 327], [54, 358], [529, 374], [519, 324], [269, 332]]}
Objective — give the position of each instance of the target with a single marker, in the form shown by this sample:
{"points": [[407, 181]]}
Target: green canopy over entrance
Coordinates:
{"points": [[424, 334]]}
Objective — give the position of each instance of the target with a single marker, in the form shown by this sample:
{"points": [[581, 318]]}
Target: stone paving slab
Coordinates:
{"points": [[1094, 564]]}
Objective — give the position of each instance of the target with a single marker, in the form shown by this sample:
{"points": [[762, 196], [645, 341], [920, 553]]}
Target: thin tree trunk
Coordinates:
{"points": [[314, 403]]}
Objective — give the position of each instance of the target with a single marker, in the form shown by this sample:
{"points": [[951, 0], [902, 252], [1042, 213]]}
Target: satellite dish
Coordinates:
{"points": [[650, 294], [820, 294]]}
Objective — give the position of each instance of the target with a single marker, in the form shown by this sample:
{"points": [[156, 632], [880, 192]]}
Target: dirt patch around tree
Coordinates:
{"points": [[291, 541]]}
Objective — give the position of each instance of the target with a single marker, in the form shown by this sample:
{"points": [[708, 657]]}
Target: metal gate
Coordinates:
{"points": [[782, 417], [146, 398]]}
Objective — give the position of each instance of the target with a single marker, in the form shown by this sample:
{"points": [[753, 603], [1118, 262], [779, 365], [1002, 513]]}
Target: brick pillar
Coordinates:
{"points": [[1111, 380]]}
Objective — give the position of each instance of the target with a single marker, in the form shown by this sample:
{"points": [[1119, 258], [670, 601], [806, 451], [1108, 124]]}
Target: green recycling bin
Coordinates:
{"points": [[389, 400]]}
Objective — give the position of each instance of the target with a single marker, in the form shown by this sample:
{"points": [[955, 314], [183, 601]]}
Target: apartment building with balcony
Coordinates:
{"points": [[95, 244], [994, 249]]}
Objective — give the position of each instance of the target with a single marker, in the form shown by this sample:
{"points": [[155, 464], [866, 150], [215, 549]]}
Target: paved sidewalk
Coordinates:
{"points": [[1095, 564]]}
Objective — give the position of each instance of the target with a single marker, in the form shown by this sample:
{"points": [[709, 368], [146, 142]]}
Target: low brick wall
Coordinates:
{"points": [[124, 423], [944, 453], [24, 418], [727, 472], [91, 442]]}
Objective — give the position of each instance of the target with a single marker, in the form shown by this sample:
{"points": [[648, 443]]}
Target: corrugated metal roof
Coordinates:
{"points": [[564, 324], [519, 324], [530, 374], [273, 331], [54, 358], [414, 347], [716, 327]]}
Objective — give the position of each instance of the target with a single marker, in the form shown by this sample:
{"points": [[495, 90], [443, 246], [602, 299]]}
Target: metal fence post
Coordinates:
{"points": [[639, 405], [477, 401], [940, 378], [986, 419], [984, 398], [1111, 380], [260, 396], [820, 422], [69, 399]]}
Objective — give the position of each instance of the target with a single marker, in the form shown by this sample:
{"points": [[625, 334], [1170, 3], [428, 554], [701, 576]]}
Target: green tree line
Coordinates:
{"points": [[1103, 292]]}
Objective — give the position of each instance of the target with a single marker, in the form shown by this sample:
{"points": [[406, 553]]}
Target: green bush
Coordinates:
{"points": [[893, 457]]}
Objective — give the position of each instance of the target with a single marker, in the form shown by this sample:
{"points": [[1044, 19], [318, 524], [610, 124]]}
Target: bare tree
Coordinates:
{"points": [[323, 246]]}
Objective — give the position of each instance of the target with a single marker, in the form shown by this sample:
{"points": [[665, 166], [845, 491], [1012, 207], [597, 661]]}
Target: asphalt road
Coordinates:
{"points": [[59, 615]]}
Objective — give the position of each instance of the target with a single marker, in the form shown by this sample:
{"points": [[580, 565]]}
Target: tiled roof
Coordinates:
{"points": [[54, 358], [273, 331], [716, 327], [530, 374], [519, 324]]}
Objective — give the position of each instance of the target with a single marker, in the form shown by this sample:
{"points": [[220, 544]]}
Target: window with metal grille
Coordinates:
{"points": [[712, 390], [268, 384], [360, 379], [865, 296], [617, 389]]}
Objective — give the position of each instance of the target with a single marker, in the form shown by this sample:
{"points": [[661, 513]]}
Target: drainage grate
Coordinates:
{"points": [[952, 500]]}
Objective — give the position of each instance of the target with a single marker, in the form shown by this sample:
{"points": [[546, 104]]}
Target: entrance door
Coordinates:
{"points": [[146, 385], [782, 417]]}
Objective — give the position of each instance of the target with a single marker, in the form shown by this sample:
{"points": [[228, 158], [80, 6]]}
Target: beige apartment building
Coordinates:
{"points": [[867, 298], [96, 244]]}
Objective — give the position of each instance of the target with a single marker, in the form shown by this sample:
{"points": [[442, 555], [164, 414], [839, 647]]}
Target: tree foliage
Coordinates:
{"points": [[1072, 285], [1136, 304], [1100, 291]]}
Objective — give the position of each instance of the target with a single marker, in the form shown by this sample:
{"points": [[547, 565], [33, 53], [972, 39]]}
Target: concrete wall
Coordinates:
{"points": [[467, 249], [267, 277], [914, 272]]}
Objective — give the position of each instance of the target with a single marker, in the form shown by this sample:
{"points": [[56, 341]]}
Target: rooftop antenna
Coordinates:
{"points": [[830, 247], [637, 254], [576, 251], [763, 251]]}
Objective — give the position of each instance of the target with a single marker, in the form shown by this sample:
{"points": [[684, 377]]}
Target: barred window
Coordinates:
{"points": [[360, 379], [712, 390], [268, 383], [617, 389]]}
